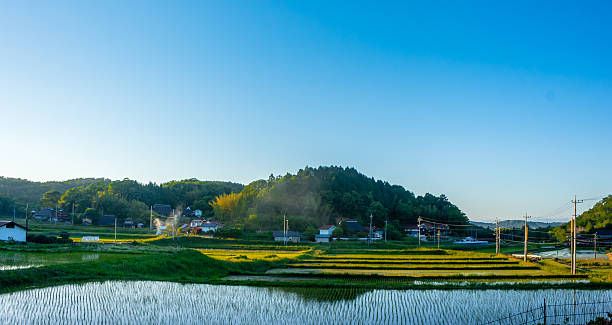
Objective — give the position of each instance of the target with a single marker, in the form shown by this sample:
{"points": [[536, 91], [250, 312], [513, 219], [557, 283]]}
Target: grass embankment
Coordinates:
{"points": [[186, 266]]}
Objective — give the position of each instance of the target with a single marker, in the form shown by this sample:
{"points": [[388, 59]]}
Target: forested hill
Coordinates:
{"points": [[22, 190], [98, 196], [317, 196], [597, 218]]}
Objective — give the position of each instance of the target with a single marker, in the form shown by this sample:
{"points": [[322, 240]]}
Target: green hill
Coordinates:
{"points": [[597, 218], [324, 195]]}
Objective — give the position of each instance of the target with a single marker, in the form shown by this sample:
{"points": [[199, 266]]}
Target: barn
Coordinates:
{"points": [[9, 230]]}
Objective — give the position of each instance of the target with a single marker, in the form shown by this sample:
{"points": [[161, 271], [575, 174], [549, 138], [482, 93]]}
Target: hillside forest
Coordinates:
{"points": [[310, 198]]}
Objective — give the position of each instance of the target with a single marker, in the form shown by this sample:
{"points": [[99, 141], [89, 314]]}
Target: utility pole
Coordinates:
{"points": [[370, 232], [385, 231], [26, 215], [287, 230], [73, 213], [526, 235], [151, 219], [438, 238], [115, 230], [56, 214], [419, 226], [575, 201], [284, 230], [496, 236]]}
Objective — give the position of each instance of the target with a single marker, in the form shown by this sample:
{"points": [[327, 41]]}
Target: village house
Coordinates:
{"points": [[43, 214], [107, 220], [325, 233], [195, 223], [163, 209], [128, 223], [10, 230], [210, 226], [86, 222], [290, 236]]}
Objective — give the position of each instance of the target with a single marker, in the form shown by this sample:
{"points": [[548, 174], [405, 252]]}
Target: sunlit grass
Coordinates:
{"points": [[250, 255]]}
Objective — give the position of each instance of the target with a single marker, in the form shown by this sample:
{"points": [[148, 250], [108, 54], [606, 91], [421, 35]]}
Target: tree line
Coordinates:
{"points": [[125, 198]]}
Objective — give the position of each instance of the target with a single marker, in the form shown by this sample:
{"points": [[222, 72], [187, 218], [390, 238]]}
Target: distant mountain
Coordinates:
{"points": [[516, 224]]}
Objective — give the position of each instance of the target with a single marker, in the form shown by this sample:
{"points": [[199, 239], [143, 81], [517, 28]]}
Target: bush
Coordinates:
{"points": [[42, 239]]}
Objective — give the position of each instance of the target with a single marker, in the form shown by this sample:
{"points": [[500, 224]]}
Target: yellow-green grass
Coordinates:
{"points": [[246, 255], [414, 273], [432, 266]]}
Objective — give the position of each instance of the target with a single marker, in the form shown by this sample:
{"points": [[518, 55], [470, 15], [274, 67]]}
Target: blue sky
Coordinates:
{"points": [[503, 107]]}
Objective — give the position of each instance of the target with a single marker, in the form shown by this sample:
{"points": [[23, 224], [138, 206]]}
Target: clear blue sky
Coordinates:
{"points": [[504, 107]]}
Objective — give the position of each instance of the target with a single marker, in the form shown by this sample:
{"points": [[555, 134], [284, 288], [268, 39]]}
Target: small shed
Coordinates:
{"points": [[9, 230]]}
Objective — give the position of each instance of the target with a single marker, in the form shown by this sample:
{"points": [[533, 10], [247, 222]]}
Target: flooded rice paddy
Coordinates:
{"points": [[146, 302], [10, 260]]}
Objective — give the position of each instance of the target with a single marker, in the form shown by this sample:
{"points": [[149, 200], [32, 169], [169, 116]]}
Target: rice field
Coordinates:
{"points": [[441, 263], [14, 260], [250, 255], [172, 303]]}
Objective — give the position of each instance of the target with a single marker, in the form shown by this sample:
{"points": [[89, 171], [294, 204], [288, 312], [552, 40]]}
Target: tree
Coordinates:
{"points": [[50, 199], [226, 206], [310, 233]]}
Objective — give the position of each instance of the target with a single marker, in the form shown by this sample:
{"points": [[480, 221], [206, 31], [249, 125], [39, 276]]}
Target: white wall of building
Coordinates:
{"points": [[16, 234]]}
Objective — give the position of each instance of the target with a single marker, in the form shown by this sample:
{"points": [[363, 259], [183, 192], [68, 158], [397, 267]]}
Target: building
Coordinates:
{"points": [[163, 209], [128, 223], [210, 226], [44, 214], [107, 220], [86, 222], [195, 223], [325, 233], [327, 230], [140, 225], [10, 230], [197, 213], [354, 226], [290, 236]]}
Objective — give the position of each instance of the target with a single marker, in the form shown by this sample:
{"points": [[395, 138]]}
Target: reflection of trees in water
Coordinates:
{"points": [[326, 294]]}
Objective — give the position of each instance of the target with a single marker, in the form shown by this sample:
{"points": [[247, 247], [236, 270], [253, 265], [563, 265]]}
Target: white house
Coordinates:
{"points": [[325, 233], [10, 230], [210, 226], [327, 230], [195, 223], [197, 213]]}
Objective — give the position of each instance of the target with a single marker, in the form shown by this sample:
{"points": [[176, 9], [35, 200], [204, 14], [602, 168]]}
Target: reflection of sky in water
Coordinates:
{"points": [[143, 302], [565, 253]]}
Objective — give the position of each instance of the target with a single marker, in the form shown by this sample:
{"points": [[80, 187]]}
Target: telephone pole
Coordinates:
{"points": [[73, 213], [438, 238], [284, 230], [385, 231], [115, 230], [573, 243], [526, 234], [26, 215], [419, 227], [370, 232], [496, 236], [151, 219]]}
